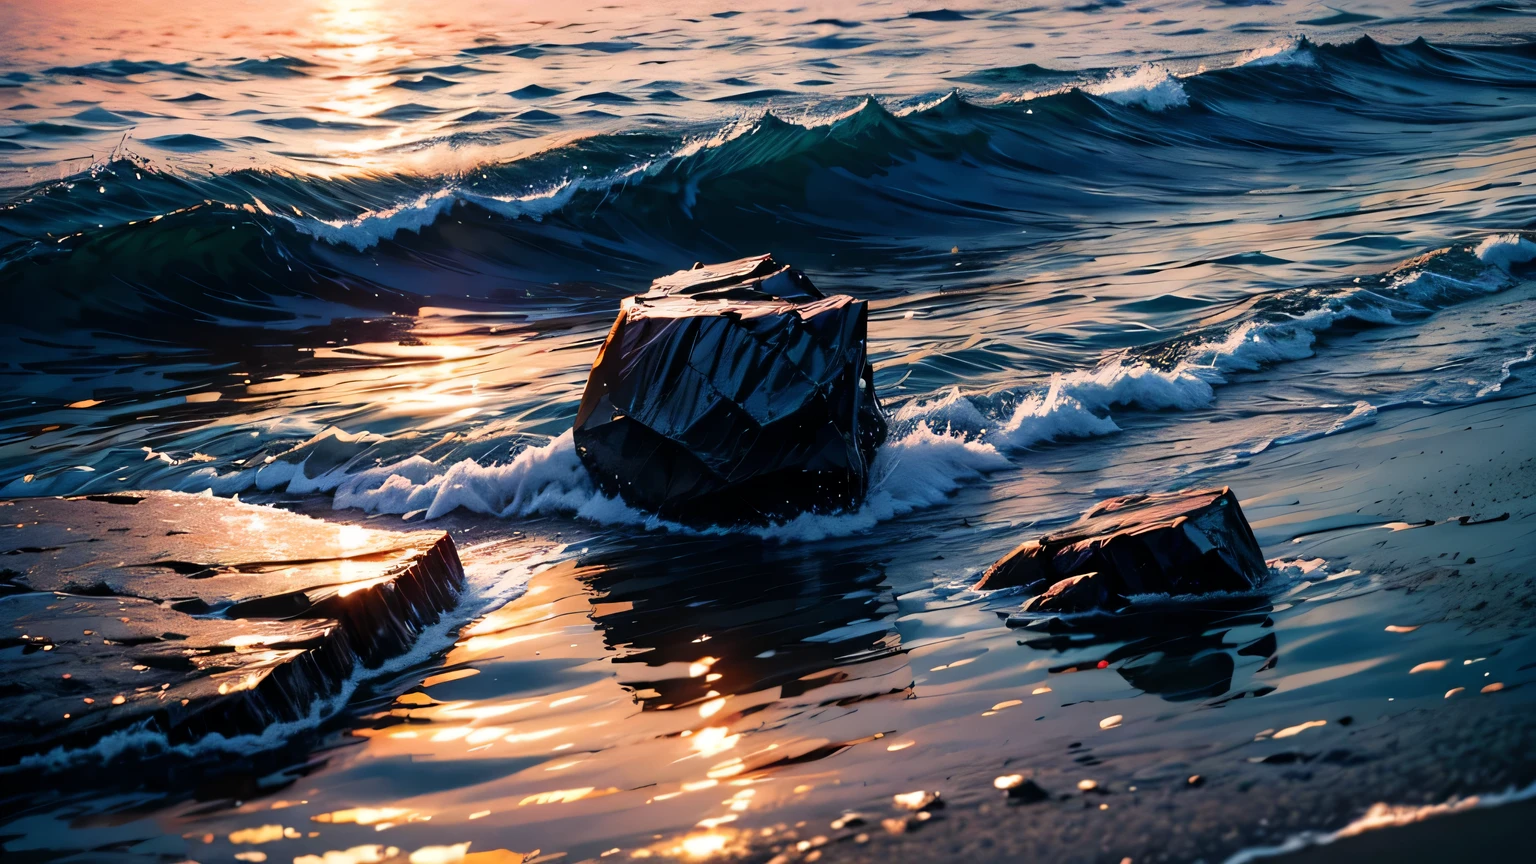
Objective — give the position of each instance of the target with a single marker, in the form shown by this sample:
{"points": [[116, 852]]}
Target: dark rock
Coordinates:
{"points": [[1174, 543], [1468, 520], [1150, 627], [736, 392], [240, 618], [1027, 792], [1076, 593], [1288, 757]]}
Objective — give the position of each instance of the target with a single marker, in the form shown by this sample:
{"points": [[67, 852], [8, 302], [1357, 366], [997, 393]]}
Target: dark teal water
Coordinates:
{"points": [[350, 230]]}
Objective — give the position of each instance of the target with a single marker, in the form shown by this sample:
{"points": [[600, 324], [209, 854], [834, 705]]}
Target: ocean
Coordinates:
{"points": [[356, 258]]}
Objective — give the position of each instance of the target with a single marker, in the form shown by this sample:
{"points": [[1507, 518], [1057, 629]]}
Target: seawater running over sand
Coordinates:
{"points": [[356, 259]]}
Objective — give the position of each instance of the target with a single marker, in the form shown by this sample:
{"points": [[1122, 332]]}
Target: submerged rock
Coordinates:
{"points": [[174, 616], [1024, 792], [1191, 542], [736, 392]]}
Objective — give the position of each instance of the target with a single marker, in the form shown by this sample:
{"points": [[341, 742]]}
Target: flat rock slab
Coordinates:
{"points": [[1175, 543], [176, 616]]}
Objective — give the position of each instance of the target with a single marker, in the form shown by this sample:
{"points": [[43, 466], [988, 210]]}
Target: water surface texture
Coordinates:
{"points": [[357, 257]]}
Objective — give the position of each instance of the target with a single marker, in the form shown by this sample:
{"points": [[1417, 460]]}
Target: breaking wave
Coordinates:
{"points": [[177, 266], [918, 468], [1506, 251], [367, 230], [1150, 86], [937, 444], [1292, 51], [652, 176], [1181, 374]]}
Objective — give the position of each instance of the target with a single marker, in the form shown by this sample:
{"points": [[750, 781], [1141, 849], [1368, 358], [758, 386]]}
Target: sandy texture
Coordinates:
{"points": [[1413, 465]]}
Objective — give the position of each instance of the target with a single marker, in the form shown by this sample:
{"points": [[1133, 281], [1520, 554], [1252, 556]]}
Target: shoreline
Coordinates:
{"points": [[1417, 752], [1479, 827]]}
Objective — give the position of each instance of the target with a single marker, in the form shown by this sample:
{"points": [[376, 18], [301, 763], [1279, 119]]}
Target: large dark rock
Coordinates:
{"points": [[1175, 543], [175, 616], [733, 393]]}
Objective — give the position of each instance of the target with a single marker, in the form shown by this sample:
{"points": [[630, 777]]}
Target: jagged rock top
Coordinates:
{"points": [[1142, 511], [733, 393], [1187, 542], [756, 278]]}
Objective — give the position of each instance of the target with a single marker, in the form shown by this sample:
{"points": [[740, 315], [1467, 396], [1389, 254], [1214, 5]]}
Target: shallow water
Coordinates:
{"points": [[360, 256]]}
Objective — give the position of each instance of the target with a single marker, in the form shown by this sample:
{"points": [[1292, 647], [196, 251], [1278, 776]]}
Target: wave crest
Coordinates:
{"points": [[1150, 86], [1290, 51], [368, 229]]}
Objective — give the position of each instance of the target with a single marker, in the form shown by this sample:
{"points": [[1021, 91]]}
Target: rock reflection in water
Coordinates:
{"points": [[745, 618], [643, 685], [1180, 651]]}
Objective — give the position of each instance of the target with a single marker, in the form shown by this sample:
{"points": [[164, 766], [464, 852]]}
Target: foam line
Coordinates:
{"points": [[1150, 86], [489, 587], [1383, 815]]}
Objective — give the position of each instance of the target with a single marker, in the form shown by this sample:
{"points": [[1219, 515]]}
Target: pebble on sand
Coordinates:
{"points": [[919, 800]]}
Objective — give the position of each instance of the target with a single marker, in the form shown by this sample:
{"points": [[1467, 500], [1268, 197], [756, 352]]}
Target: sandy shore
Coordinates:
{"points": [[861, 669], [1349, 499]]}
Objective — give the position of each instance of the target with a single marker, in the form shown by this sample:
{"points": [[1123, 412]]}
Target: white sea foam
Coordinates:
{"points": [[1432, 290], [1071, 405], [951, 412], [371, 228], [722, 136], [535, 205], [927, 104], [1507, 371], [1052, 415], [1079, 404], [1505, 250], [917, 469], [1075, 405], [1291, 51], [1361, 414], [1139, 385], [1383, 815], [540, 480], [813, 120], [937, 444], [1255, 344], [1151, 86], [491, 582]]}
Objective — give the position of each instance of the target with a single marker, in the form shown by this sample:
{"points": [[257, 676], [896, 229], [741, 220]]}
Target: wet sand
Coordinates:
{"points": [[1420, 748], [1496, 834]]}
